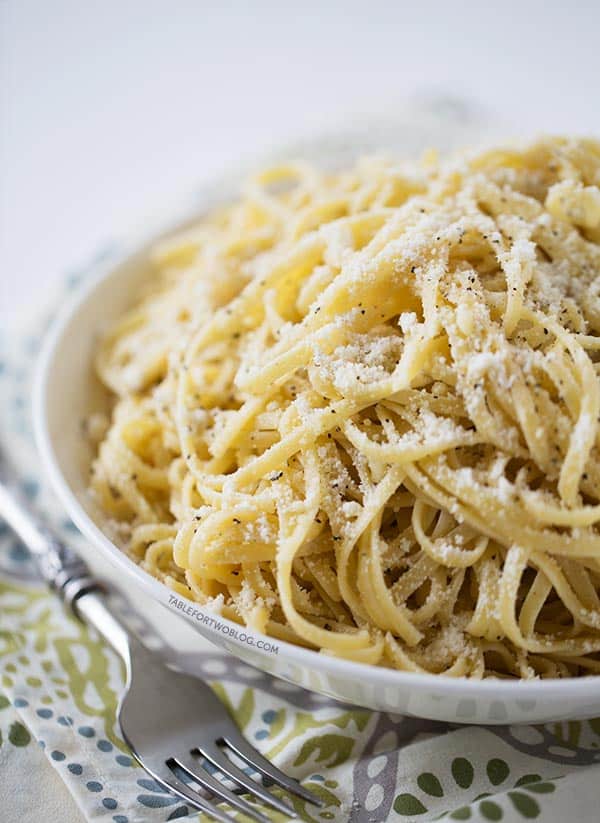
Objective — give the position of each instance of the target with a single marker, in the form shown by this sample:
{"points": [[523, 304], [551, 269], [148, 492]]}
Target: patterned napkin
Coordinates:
{"points": [[59, 686]]}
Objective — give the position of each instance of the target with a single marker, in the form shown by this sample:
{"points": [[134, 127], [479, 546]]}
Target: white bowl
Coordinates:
{"points": [[67, 391]]}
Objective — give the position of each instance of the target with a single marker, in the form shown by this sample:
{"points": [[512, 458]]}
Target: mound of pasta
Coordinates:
{"points": [[359, 411]]}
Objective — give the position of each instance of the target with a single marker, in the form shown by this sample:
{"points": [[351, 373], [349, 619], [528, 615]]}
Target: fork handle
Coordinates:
{"points": [[62, 569]]}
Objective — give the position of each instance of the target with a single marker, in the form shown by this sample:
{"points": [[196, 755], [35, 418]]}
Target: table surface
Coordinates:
{"points": [[107, 109]]}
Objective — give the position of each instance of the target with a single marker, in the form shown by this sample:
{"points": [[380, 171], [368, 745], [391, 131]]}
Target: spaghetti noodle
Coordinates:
{"points": [[359, 411]]}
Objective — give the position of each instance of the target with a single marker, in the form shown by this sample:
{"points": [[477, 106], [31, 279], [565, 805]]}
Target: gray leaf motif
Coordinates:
{"points": [[374, 774], [541, 741]]}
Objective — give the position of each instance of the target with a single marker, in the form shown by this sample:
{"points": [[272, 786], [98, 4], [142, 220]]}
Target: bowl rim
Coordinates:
{"points": [[189, 208]]}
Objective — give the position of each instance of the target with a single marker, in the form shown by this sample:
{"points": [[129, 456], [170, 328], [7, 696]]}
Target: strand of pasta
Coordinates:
{"points": [[359, 411]]}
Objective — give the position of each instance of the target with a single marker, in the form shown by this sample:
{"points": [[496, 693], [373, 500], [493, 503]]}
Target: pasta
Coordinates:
{"points": [[359, 411]]}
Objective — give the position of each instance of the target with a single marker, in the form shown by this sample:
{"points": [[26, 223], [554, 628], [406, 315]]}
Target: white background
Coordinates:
{"points": [[111, 108]]}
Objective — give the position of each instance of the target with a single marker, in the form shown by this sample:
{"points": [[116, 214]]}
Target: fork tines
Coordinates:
{"points": [[191, 765]]}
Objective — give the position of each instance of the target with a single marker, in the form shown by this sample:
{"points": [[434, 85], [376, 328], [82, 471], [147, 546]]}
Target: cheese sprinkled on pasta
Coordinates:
{"points": [[360, 412]]}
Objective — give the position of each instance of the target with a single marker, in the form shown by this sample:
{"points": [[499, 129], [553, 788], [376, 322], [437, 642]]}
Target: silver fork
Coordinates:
{"points": [[173, 723]]}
